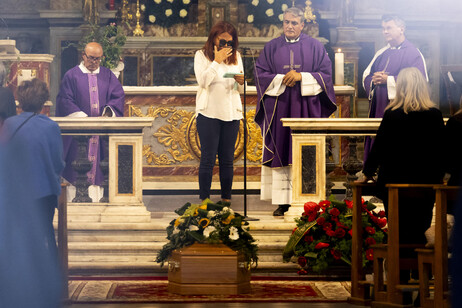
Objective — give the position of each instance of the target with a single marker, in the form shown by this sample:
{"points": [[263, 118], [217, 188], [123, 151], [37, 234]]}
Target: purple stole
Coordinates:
{"points": [[93, 144]]}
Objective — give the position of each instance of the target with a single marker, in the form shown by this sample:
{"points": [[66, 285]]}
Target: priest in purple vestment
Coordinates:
{"points": [[89, 90], [293, 76], [380, 76]]}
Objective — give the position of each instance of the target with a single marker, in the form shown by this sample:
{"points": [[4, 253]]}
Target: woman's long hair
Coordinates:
{"points": [[219, 28], [412, 93]]}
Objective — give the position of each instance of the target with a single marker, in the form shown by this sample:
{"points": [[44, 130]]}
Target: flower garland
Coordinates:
{"points": [[264, 12], [166, 13], [323, 235], [208, 223]]}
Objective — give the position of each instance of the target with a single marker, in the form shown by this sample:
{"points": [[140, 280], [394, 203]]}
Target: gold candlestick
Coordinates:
{"points": [[138, 31]]}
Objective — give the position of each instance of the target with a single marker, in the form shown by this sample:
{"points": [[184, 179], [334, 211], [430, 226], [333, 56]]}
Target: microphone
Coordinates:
{"points": [[7, 28]]}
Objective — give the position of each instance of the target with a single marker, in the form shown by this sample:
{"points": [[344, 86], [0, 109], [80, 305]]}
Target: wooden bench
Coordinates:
{"points": [[392, 294], [435, 260]]}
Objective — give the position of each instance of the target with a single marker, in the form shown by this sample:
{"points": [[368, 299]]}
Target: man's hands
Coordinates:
{"points": [[291, 78], [222, 54], [379, 78]]}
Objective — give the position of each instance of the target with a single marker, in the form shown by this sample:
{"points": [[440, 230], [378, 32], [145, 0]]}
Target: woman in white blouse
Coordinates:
{"points": [[219, 72]]}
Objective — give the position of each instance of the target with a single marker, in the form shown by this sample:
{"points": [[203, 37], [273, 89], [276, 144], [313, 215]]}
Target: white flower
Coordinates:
{"points": [[168, 12], [255, 2], [183, 13], [250, 19], [157, 1], [270, 1], [284, 7], [143, 7], [170, 1], [281, 17], [175, 230], [152, 18], [186, 1], [208, 230], [193, 228], [269, 12], [231, 211], [233, 233], [210, 214]]}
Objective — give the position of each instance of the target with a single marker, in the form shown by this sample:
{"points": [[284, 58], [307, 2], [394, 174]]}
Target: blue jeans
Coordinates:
{"points": [[216, 137]]}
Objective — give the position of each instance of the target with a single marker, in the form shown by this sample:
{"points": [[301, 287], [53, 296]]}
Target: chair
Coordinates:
{"points": [[435, 260]]}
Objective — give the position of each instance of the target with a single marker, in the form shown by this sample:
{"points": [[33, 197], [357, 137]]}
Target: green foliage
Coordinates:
{"points": [[208, 223], [111, 38]]}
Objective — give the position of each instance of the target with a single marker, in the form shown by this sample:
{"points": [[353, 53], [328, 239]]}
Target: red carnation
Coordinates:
{"points": [[370, 241], [327, 226], [340, 232], [312, 216], [349, 204], [381, 214], [330, 232], [302, 261], [382, 222], [324, 204], [320, 221], [350, 232], [308, 239], [370, 254], [336, 254], [311, 207], [334, 212], [370, 230], [321, 245]]}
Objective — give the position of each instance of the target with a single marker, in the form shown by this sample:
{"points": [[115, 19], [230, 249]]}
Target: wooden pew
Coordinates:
{"points": [[391, 295], [435, 260], [360, 288]]}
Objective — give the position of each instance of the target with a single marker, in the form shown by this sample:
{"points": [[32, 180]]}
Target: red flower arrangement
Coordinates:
{"points": [[323, 234]]}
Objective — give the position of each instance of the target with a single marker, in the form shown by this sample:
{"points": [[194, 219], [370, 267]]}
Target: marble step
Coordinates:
{"points": [[152, 267]]}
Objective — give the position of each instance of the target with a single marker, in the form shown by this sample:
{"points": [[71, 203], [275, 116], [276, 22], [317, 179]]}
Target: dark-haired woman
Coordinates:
{"points": [[219, 72]]}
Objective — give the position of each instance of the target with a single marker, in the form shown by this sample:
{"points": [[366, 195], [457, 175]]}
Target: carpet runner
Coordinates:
{"points": [[155, 291]]}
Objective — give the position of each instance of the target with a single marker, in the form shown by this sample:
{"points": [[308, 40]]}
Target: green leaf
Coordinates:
{"points": [[294, 239], [311, 255]]}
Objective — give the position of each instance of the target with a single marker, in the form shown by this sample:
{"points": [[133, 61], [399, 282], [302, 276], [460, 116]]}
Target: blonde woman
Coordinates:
{"points": [[408, 149]]}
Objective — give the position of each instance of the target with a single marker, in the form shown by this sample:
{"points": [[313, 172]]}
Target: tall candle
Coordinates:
{"points": [[339, 67]]}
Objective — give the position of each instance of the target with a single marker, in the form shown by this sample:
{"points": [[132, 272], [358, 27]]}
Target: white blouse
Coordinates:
{"points": [[217, 97]]}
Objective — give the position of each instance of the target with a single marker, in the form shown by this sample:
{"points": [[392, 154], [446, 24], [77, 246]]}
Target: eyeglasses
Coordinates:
{"points": [[223, 43], [93, 59]]}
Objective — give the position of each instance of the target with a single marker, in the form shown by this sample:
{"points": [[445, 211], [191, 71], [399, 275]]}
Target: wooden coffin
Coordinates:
{"points": [[208, 269]]}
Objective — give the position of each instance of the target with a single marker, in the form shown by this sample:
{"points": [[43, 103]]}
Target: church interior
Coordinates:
{"points": [[154, 150]]}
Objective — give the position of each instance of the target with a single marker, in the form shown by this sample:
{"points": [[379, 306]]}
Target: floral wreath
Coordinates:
{"points": [[323, 235]]}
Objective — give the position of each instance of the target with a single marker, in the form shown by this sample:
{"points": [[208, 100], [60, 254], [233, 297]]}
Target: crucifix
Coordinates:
{"points": [[292, 65]]}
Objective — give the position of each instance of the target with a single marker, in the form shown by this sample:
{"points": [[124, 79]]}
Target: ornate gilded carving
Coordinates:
{"points": [[181, 142], [255, 141]]}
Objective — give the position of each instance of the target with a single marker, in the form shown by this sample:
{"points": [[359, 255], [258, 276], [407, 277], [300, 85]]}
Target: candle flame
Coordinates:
{"points": [[339, 50]]}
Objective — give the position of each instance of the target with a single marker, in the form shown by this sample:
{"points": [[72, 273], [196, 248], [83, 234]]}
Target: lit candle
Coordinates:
{"points": [[339, 67]]}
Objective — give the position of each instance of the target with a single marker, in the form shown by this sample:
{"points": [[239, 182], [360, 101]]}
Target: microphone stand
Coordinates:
{"points": [[245, 49]]}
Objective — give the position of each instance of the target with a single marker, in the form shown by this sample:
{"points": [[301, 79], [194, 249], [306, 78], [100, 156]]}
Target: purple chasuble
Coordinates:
{"points": [[75, 95], [279, 57], [391, 61]]}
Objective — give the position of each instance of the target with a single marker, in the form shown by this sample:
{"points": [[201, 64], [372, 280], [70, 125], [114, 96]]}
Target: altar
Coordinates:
{"points": [[171, 147]]}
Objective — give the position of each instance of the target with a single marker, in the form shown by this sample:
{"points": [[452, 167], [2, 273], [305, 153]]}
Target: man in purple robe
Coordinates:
{"points": [[293, 75], [89, 90], [380, 76]]}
